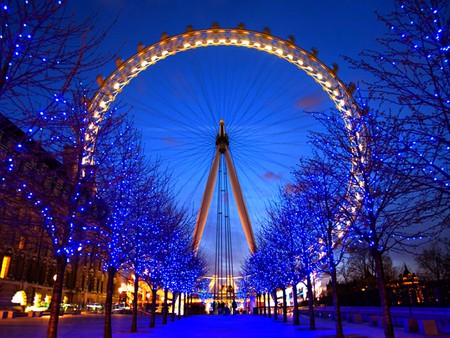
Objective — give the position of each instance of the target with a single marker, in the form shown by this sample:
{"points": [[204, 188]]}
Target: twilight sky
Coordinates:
{"points": [[178, 102]]}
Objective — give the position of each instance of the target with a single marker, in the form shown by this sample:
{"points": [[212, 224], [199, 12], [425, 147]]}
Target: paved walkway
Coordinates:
{"points": [[239, 326]]}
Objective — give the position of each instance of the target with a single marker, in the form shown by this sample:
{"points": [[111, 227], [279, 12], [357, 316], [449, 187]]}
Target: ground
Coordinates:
{"points": [[237, 326]]}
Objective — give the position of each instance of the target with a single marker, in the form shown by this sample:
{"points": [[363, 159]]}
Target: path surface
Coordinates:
{"points": [[238, 326]]}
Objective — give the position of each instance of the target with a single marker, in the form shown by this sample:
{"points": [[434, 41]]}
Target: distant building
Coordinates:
{"points": [[407, 290], [319, 288]]}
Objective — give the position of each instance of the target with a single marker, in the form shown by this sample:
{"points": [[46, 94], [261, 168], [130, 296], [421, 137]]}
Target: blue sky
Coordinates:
{"points": [[178, 102]]}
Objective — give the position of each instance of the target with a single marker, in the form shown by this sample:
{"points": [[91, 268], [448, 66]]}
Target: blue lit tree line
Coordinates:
{"points": [[121, 209], [149, 233], [389, 192]]}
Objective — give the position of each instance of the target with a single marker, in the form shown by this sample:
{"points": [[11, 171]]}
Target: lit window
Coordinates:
{"points": [[5, 266], [21, 242]]}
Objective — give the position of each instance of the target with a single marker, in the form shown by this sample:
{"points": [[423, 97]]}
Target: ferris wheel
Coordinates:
{"points": [[179, 104]]}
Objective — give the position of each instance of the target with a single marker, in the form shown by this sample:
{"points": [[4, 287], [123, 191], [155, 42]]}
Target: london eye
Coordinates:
{"points": [[179, 104]]}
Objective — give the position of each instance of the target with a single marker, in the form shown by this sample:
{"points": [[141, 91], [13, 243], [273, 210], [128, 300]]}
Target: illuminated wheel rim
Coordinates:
{"points": [[239, 37], [146, 57]]}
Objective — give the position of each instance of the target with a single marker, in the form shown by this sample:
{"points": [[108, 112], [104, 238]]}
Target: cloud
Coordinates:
{"points": [[270, 176], [311, 101], [170, 141], [289, 187]]}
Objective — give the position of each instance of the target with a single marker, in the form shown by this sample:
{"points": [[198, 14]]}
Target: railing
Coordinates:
{"points": [[399, 314]]}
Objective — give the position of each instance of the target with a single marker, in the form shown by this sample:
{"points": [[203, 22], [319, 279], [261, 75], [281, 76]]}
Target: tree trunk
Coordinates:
{"points": [[264, 304], [153, 307], [295, 313], [179, 305], [165, 309], [52, 329], [135, 303], [174, 299], [275, 310], [268, 305], [258, 298], [284, 305], [189, 304], [107, 329], [337, 308], [312, 319], [185, 306], [388, 327]]}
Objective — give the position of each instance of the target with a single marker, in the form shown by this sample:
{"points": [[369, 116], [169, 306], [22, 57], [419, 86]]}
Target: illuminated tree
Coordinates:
{"points": [[140, 214], [147, 196], [256, 271], [411, 73], [384, 208], [170, 264], [266, 271], [295, 211], [71, 217], [43, 54], [113, 185], [55, 186], [245, 288], [280, 237], [203, 290], [174, 251], [291, 240], [189, 278], [324, 189]]}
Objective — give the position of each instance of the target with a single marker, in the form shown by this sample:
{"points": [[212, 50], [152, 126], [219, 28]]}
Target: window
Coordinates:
{"points": [[5, 266], [21, 242]]}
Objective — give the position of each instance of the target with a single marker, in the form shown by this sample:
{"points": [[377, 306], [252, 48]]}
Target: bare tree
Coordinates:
{"points": [[359, 268], [434, 263]]}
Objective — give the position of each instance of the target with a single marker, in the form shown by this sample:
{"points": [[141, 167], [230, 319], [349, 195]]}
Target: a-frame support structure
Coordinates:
{"points": [[222, 150]]}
